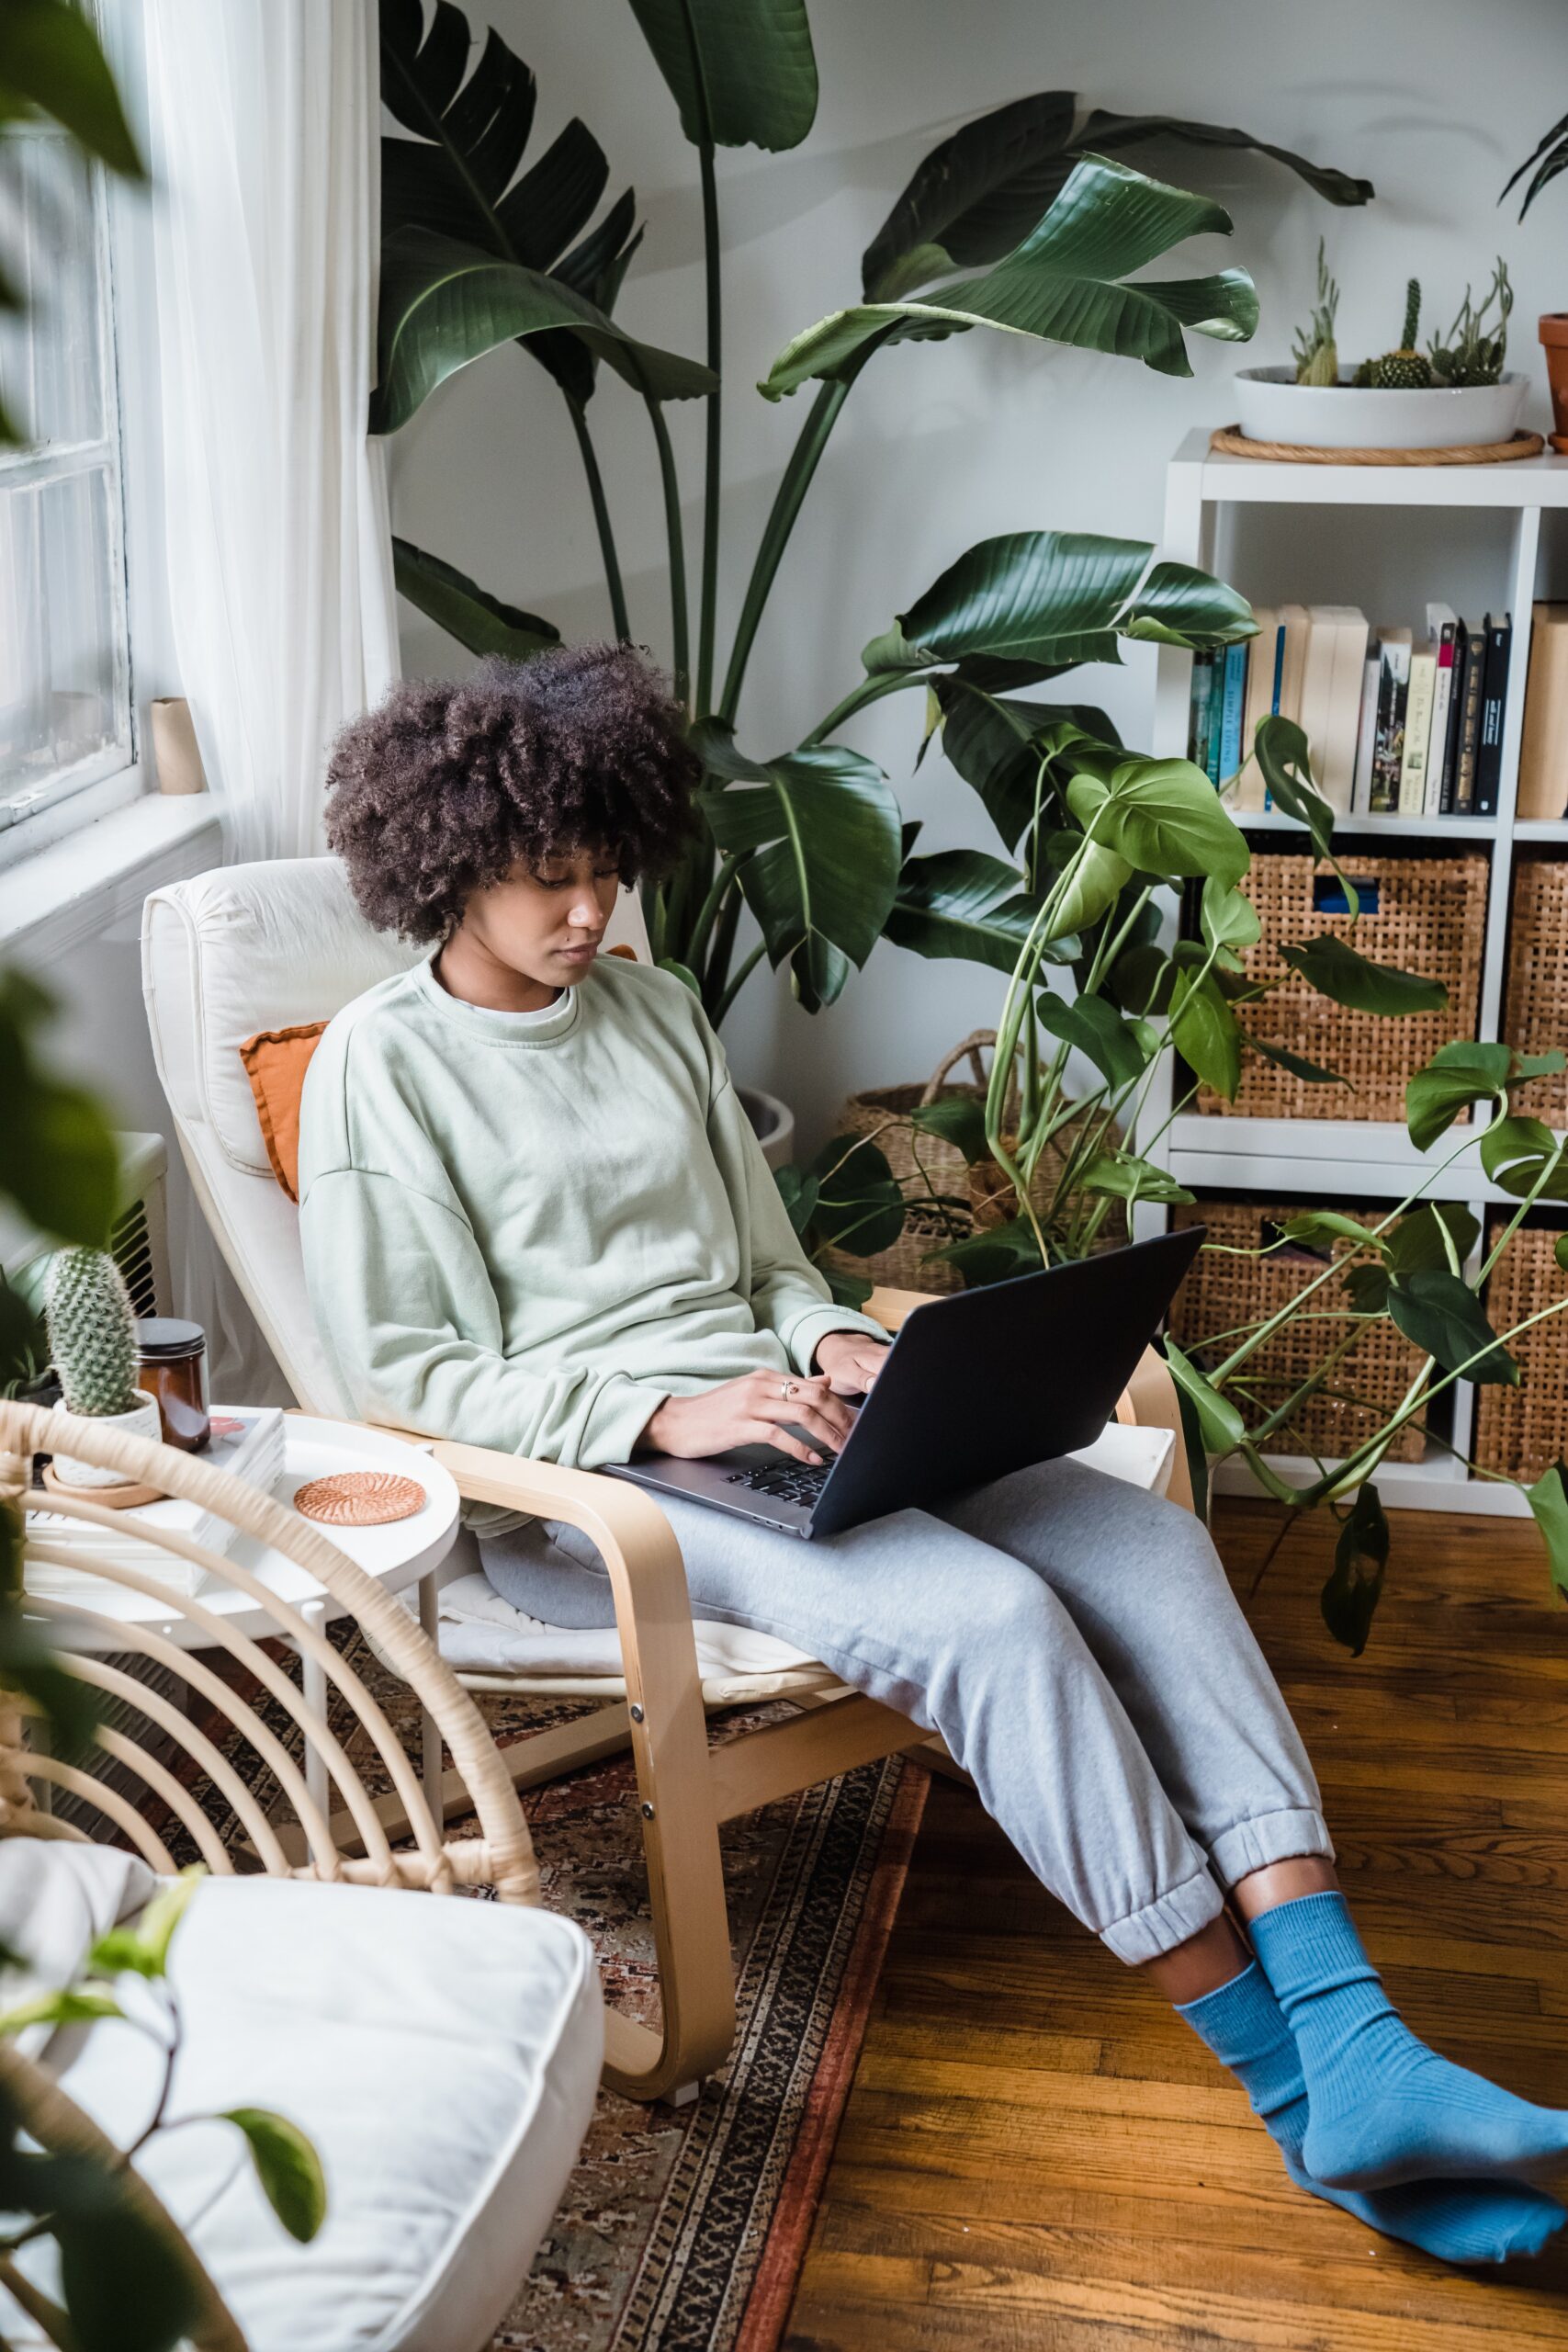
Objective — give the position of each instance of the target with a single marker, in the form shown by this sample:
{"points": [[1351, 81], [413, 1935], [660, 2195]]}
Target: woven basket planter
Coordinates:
{"points": [[1534, 998], [1523, 1431], [1221, 1292], [1430, 917], [976, 1198]]}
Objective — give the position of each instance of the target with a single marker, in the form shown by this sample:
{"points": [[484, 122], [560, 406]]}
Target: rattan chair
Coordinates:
{"points": [[271, 946]]}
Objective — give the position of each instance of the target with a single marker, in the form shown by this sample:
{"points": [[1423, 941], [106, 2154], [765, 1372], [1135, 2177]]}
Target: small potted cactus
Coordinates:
{"points": [[92, 1338]]}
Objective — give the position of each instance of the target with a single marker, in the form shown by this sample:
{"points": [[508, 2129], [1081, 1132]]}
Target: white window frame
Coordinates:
{"points": [[58, 461]]}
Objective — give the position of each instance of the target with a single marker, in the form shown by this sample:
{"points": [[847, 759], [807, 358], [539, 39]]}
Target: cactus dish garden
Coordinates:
{"points": [[1454, 393]]}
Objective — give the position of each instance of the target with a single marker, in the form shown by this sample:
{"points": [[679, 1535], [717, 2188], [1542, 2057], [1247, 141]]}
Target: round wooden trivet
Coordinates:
{"points": [[126, 1496], [1229, 441], [360, 1498]]}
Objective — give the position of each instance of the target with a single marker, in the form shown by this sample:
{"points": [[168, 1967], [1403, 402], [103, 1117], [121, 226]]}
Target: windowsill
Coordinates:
{"points": [[101, 872]]}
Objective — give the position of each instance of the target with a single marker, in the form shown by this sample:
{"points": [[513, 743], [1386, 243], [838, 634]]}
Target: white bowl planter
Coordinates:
{"points": [[1274, 407], [143, 1421], [772, 1122]]}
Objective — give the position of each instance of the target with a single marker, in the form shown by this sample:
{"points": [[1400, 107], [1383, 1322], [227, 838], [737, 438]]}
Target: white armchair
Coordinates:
{"points": [[267, 946]]}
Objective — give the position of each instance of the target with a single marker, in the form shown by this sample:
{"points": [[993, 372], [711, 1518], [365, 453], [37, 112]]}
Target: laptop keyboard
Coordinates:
{"points": [[785, 1482]]}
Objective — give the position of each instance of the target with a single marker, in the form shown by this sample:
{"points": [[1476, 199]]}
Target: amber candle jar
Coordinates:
{"points": [[172, 1366]]}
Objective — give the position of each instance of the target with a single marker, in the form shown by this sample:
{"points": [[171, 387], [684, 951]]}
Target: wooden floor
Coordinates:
{"points": [[1038, 2155]]}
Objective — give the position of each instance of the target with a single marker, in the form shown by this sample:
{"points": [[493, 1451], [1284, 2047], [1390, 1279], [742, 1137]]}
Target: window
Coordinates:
{"points": [[66, 702]]}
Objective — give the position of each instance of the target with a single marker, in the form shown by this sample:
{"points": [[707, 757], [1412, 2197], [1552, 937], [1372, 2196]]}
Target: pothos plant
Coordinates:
{"points": [[1026, 220], [1111, 843]]}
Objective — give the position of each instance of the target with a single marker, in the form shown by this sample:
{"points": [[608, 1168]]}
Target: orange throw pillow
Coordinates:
{"points": [[275, 1061]]}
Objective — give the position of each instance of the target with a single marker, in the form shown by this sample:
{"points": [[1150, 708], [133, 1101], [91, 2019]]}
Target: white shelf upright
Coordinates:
{"points": [[1308, 1160]]}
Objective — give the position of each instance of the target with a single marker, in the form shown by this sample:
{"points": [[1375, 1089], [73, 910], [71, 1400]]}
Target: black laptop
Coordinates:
{"points": [[974, 1384]]}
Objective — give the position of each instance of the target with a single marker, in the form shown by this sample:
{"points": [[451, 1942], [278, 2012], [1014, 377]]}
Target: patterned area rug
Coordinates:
{"points": [[683, 2229]]}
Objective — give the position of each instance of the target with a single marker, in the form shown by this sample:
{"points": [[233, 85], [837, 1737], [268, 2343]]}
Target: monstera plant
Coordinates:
{"points": [[1026, 221]]}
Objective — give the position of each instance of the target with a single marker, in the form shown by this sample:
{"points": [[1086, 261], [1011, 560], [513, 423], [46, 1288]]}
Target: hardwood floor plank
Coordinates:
{"points": [[1038, 2156]]}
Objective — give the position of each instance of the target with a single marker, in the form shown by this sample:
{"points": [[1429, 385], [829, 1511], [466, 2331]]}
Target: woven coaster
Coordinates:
{"points": [[1230, 441], [359, 1498]]}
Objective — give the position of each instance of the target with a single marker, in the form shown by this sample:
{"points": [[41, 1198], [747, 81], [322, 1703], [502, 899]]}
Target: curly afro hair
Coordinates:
{"points": [[451, 782]]}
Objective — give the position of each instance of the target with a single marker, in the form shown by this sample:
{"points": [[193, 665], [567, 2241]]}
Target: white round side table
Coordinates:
{"points": [[408, 1552]]}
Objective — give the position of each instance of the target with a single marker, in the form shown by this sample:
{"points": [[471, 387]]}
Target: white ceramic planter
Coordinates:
{"points": [[142, 1422], [772, 1122], [1274, 407]]}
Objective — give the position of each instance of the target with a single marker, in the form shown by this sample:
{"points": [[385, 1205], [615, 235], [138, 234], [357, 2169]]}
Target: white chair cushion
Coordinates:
{"points": [[443, 2054]]}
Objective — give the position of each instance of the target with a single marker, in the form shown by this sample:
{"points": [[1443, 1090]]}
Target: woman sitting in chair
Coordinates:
{"points": [[536, 1218]]}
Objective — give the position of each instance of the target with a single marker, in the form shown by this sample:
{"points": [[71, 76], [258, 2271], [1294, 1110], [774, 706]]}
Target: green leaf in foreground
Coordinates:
{"points": [[1443, 1316], [1339, 971], [995, 1255], [1350, 1596], [959, 1119], [1218, 1418], [144, 1948], [465, 611], [1548, 1499], [859, 1206], [74, 2006], [1320, 1228], [1418, 1239], [1518, 1153], [1312, 1073], [287, 2167], [1280, 747], [1205, 1031], [1118, 1175], [128, 2287], [1457, 1076]]}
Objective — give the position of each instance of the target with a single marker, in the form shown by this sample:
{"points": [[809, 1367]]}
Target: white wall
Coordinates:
{"points": [[943, 445]]}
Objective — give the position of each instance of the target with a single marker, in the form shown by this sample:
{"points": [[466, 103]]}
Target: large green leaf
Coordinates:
{"points": [[741, 72], [994, 743], [1349, 1599], [1203, 1030], [50, 59], [978, 194], [1516, 1153], [1457, 1076], [1105, 133], [1065, 282], [1052, 599], [1120, 1049], [1320, 1228], [59, 1161], [994, 1255], [287, 2167], [1417, 1240], [463, 609], [1098, 879], [1339, 971], [1222, 1425], [858, 1205], [1443, 1316], [1314, 1073], [958, 1119], [1280, 749], [1121, 1175], [456, 177], [1548, 1499], [1164, 817], [961, 903], [817, 832], [444, 305], [129, 2287], [1228, 919]]}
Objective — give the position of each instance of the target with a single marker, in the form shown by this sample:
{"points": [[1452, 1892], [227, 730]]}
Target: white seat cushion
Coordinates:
{"points": [[442, 2053]]}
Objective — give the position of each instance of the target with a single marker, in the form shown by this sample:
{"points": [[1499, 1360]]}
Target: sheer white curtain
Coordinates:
{"points": [[265, 128], [265, 125]]}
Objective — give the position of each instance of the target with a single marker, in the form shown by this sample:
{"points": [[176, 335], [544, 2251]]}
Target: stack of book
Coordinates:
{"points": [[249, 1444], [1543, 747], [1393, 727]]}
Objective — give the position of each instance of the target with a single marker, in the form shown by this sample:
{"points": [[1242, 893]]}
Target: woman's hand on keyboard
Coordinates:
{"points": [[764, 1408]]}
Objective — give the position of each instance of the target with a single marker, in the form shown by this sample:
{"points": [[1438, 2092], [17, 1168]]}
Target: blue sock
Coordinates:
{"points": [[1384, 2107], [1459, 2221]]}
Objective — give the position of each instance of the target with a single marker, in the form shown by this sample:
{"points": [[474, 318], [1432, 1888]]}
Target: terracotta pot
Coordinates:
{"points": [[1554, 336]]}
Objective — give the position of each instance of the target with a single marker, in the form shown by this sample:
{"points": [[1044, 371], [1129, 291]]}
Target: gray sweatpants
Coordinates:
{"points": [[1073, 1639]]}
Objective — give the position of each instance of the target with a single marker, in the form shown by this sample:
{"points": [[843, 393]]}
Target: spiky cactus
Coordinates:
{"points": [[91, 1333], [1406, 370], [1314, 350]]}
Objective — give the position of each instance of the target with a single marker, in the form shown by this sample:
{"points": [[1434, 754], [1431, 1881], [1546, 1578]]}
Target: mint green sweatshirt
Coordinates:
{"points": [[525, 1231]]}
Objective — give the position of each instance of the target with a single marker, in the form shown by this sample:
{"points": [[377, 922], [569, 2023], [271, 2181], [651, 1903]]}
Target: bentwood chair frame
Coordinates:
{"points": [[210, 945]]}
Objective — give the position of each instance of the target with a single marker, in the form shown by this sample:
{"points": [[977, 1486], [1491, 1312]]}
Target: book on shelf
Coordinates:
{"points": [[1472, 682], [1418, 704], [1263, 656], [1493, 702], [1543, 746], [1232, 700], [1394, 646], [1442, 624], [1204, 666], [1366, 734]]}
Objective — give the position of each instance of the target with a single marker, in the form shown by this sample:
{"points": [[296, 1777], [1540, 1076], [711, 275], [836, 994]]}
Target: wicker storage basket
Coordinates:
{"points": [[1535, 999], [1523, 1431], [1430, 918], [1221, 1292]]}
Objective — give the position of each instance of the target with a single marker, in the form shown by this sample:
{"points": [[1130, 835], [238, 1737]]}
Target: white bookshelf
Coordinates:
{"points": [[1387, 538]]}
